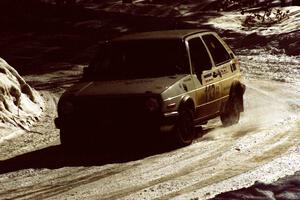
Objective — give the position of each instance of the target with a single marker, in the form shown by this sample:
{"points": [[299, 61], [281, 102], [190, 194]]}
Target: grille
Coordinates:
{"points": [[114, 110]]}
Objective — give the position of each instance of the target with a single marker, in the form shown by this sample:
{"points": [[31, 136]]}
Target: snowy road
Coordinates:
{"points": [[263, 146]]}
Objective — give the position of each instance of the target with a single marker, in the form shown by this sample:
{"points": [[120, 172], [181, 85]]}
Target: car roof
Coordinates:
{"points": [[158, 35]]}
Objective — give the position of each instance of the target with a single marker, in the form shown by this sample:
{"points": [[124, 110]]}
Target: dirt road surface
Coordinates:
{"points": [[264, 146]]}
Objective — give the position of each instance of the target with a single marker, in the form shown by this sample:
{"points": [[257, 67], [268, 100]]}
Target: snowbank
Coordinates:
{"points": [[20, 105]]}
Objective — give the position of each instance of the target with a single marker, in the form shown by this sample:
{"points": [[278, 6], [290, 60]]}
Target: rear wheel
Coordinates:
{"points": [[184, 129], [230, 118], [231, 114], [234, 106]]}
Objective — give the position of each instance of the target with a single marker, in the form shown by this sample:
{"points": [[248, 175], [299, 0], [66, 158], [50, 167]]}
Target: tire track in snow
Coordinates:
{"points": [[269, 129]]}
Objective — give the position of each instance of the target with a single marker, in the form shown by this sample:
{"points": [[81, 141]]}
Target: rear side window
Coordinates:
{"points": [[217, 50], [199, 55]]}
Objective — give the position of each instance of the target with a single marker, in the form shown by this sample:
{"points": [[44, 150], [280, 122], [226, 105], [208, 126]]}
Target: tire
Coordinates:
{"points": [[184, 129], [231, 114], [65, 140], [231, 118]]}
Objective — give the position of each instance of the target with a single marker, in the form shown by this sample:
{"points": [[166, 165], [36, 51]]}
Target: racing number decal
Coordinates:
{"points": [[210, 92]]}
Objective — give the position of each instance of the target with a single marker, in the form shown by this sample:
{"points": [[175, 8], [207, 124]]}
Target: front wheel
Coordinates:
{"points": [[184, 129], [65, 140]]}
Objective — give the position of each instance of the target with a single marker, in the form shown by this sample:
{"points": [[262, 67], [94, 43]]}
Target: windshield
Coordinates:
{"points": [[140, 59]]}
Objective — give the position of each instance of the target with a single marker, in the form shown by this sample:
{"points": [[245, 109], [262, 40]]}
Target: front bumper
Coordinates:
{"points": [[165, 123], [169, 121]]}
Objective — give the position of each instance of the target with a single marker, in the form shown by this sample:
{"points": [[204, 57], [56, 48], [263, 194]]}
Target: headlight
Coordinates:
{"points": [[152, 104], [66, 108]]}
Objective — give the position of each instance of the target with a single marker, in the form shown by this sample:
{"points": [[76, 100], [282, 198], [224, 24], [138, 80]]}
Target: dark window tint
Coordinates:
{"points": [[199, 56], [140, 59], [217, 50]]}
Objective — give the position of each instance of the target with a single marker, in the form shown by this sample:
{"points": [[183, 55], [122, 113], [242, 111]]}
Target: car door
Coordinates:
{"points": [[202, 68], [223, 66]]}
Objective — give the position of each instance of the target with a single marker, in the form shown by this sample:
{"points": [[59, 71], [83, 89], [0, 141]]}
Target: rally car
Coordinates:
{"points": [[149, 84]]}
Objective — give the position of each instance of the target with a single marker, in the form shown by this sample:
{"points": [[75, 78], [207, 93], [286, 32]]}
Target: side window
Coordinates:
{"points": [[199, 56], [217, 50]]}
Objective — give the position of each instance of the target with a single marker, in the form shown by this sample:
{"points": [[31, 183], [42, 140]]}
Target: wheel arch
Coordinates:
{"points": [[187, 102]]}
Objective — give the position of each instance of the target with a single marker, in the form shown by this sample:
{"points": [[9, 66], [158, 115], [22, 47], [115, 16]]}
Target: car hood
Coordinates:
{"points": [[136, 86]]}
